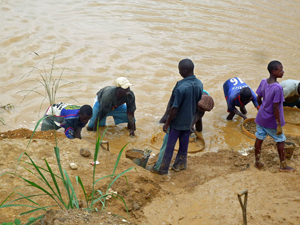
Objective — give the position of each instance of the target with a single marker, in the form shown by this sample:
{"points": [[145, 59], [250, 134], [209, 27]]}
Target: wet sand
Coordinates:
{"points": [[205, 193]]}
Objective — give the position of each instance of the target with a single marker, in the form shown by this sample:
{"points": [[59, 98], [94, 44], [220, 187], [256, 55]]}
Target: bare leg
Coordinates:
{"points": [[281, 153], [243, 110], [258, 164], [230, 116]]}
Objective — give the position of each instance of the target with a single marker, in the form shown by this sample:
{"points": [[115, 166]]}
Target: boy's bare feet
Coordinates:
{"points": [[286, 169], [258, 165]]}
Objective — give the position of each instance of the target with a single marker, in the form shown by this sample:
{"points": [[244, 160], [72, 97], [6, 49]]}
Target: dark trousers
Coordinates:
{"points": [[181, 157]]}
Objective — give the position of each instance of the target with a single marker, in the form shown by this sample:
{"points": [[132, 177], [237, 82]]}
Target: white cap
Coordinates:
{"points": [[122, 82]]}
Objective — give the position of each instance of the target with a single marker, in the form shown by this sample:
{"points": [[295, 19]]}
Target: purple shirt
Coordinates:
{"points": [[271, 93]]}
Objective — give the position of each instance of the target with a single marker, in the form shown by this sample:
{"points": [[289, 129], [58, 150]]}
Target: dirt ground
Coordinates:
{"points": [[205, 193]]}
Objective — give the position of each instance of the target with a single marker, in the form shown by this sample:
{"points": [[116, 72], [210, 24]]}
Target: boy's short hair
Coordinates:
{"points": [[86, 110], [245, 93], [273, 66], [187, 64]]}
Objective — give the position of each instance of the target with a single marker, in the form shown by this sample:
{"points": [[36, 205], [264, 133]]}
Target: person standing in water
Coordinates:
{"points": [[185, 96], [270, 117]]}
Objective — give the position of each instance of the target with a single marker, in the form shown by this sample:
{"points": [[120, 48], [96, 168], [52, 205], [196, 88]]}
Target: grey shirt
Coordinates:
{"points": [[290, 89], [108, 101]]}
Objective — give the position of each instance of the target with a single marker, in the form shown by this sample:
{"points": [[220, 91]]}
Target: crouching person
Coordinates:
{"points": [[71, 117], [117, 101]]}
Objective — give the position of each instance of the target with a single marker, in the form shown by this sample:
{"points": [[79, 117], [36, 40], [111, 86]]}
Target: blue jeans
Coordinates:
{"points": [[181, 157], [119, 114], [292, 104]]}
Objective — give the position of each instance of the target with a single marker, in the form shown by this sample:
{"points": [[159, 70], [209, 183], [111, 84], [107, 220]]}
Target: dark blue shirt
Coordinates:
{"points": [[185, 97], [66, 116], [232, 88]]}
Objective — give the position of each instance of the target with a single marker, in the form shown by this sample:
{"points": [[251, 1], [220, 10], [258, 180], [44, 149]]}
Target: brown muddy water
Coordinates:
{"points": [[97, 41]]}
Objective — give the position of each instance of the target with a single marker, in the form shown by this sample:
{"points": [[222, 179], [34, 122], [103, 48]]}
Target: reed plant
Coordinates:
{"points": [[62, 190], [47, 80], [59, 187]]}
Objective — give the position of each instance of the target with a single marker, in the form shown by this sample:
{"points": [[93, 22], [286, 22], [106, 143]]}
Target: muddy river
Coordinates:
{"points": [[96, 41]]}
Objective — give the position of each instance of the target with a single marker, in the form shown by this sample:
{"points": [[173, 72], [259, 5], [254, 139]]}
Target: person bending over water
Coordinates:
{"points": [[117, 101], [291, 92], [238, 93], [71, 117]]}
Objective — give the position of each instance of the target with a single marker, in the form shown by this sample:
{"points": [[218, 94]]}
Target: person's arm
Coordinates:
{"points": [[165, 116], [232, 109], [259, 100], [197, 120], [78, 132], [254, 100], [173, 113], [236, 111], [277, 117], [199, 125], [131, 123]]}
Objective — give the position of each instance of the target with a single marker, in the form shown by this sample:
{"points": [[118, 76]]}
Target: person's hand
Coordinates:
{"points": [[165, 127], [279, 129], [132, 133]]}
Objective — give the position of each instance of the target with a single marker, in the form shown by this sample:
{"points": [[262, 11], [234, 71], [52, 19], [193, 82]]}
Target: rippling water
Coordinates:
{"points": [[97, 41]]}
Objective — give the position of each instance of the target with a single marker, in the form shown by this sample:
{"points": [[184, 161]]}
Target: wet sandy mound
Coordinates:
{"points": [[25, 133], [81, 216]]}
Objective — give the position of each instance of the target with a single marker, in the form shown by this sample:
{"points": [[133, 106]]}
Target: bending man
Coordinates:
{"points": [[117, 101], [71, 117], [238, 93]]}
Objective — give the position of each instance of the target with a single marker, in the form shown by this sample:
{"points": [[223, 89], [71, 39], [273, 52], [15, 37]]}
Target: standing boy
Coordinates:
{"points": [[185, 96], [238, 93], [206, 104], [71, 117], [270, 117]]}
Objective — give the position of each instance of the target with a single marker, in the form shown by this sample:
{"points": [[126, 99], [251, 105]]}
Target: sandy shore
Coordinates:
{"points": [[205, 193]]}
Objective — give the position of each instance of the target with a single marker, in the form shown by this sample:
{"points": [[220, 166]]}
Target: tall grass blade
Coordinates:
{"points": [[118, 159], [43, 177], [7, 198], [54, 181], [31, 221], [117, 177], [101, 178], [29, 199], [56, 150], [78, 180], [119, 197], [97, 147], [37, 209], [40, 188], [73, 193]]}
